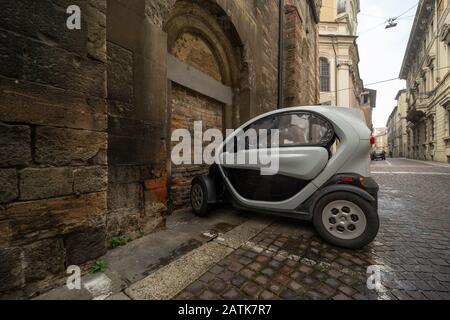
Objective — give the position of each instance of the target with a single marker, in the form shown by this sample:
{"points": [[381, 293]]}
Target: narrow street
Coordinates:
{"points": [[231, 255], [288, 261]]}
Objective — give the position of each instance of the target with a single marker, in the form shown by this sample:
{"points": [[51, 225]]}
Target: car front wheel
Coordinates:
{"points": [[346, 220]]}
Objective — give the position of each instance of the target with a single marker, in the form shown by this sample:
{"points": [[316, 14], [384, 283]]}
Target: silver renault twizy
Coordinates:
{"points": [[310, 163]]}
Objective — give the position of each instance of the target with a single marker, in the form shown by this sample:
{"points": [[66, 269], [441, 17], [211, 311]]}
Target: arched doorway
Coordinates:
{"points": [[205, 71]]}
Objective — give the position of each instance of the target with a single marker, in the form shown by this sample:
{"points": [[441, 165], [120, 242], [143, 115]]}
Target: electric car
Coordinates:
{"points": [[317, 170]]}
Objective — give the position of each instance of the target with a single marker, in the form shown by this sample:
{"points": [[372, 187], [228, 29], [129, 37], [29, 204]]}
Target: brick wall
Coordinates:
{"points": [[301, 81], [188, 107]]}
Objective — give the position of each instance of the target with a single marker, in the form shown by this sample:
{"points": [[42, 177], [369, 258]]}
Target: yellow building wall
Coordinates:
{"points": [[328, 11]]}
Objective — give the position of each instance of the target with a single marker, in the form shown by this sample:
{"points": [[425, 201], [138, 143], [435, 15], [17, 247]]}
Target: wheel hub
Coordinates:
{"points": [[197, 197], [344, 220]]}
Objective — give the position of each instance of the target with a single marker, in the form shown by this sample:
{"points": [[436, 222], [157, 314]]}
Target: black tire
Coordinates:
{"points": [[201, 210], [369, 211]]}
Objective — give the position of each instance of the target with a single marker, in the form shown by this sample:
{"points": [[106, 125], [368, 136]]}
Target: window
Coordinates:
{"points": [[365, 98], [432, 79], [342, 6], [295, 129], [448, 117], [324, 75], [432, 128]]}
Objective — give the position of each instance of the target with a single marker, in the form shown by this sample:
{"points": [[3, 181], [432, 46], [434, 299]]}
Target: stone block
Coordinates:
{"points": [[153, 217], [5, 233], [42, 219], [2, 212], [96, 26], [15, 145], [11, 62], [124, 174], [125, 221], [156, 191], [44, 105], [11, 271], [43, 259], [46, 62], [44, 21], [8, 186], [90, 179], [120, 74], [42, 183], [55, 146], [85, 245], [125, 196]]}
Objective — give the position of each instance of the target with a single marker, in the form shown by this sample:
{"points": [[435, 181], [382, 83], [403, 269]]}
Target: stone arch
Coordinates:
{"points": [[209, 22], [203, 43]]}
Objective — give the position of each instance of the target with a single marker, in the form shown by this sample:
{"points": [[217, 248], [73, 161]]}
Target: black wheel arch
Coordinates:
{"points": [[342, 188], [210, 186]]}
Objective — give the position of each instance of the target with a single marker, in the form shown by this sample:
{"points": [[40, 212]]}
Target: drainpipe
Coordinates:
{"points": [[281, 55], [335, 70], [437, 68]]}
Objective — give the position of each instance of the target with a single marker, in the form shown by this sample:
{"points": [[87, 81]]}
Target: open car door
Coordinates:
{"points": [[276, 158]]}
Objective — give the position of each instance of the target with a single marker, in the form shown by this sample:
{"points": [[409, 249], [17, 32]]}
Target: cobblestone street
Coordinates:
{"points": [[287, 260], [231, 255]]}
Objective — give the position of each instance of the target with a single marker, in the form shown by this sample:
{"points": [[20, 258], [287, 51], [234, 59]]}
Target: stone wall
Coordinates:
{"points": [[136, 117], [53, 141], [86, 117]]}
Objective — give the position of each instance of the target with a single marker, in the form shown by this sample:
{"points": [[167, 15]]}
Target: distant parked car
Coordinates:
{"points": [[379, 155]]}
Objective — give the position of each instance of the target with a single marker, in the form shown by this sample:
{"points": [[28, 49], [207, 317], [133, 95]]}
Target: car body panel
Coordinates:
{"points": [[304, 164], [352, 155]]}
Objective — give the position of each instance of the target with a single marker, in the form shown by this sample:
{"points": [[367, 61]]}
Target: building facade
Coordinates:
{"points": [[381, 140], [340, 81], [398, 127], [86, 115], [426, 69], [392, 131]]}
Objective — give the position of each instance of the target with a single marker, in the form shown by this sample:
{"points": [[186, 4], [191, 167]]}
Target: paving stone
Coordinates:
{"points": [[249, 274], [262, 280], [256, 266], [341, 297], [232, 294], [217, 286], [216, 270], [268, 272], [288, 295], [207, 295], [313, 295], [276, 288], [267, 295], [196, 288], [251, 289], [238, 281], [332, 283]]}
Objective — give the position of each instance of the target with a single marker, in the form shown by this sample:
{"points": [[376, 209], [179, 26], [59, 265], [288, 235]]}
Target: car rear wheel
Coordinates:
{"points": [[346, 220], [199, 198]]}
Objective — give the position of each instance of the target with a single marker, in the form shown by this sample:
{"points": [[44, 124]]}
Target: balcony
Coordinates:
{"points": [[414, 116]]}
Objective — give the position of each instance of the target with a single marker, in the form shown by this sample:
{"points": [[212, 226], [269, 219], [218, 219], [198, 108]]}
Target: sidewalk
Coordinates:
{"points": [[160, 265], [431, 163]]}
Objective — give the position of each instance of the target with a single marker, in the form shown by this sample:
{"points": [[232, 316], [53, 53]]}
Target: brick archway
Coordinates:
{"points": [[205, 72]]}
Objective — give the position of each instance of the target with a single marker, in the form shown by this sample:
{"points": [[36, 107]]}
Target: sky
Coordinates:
{"points": [[382, 50]]}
